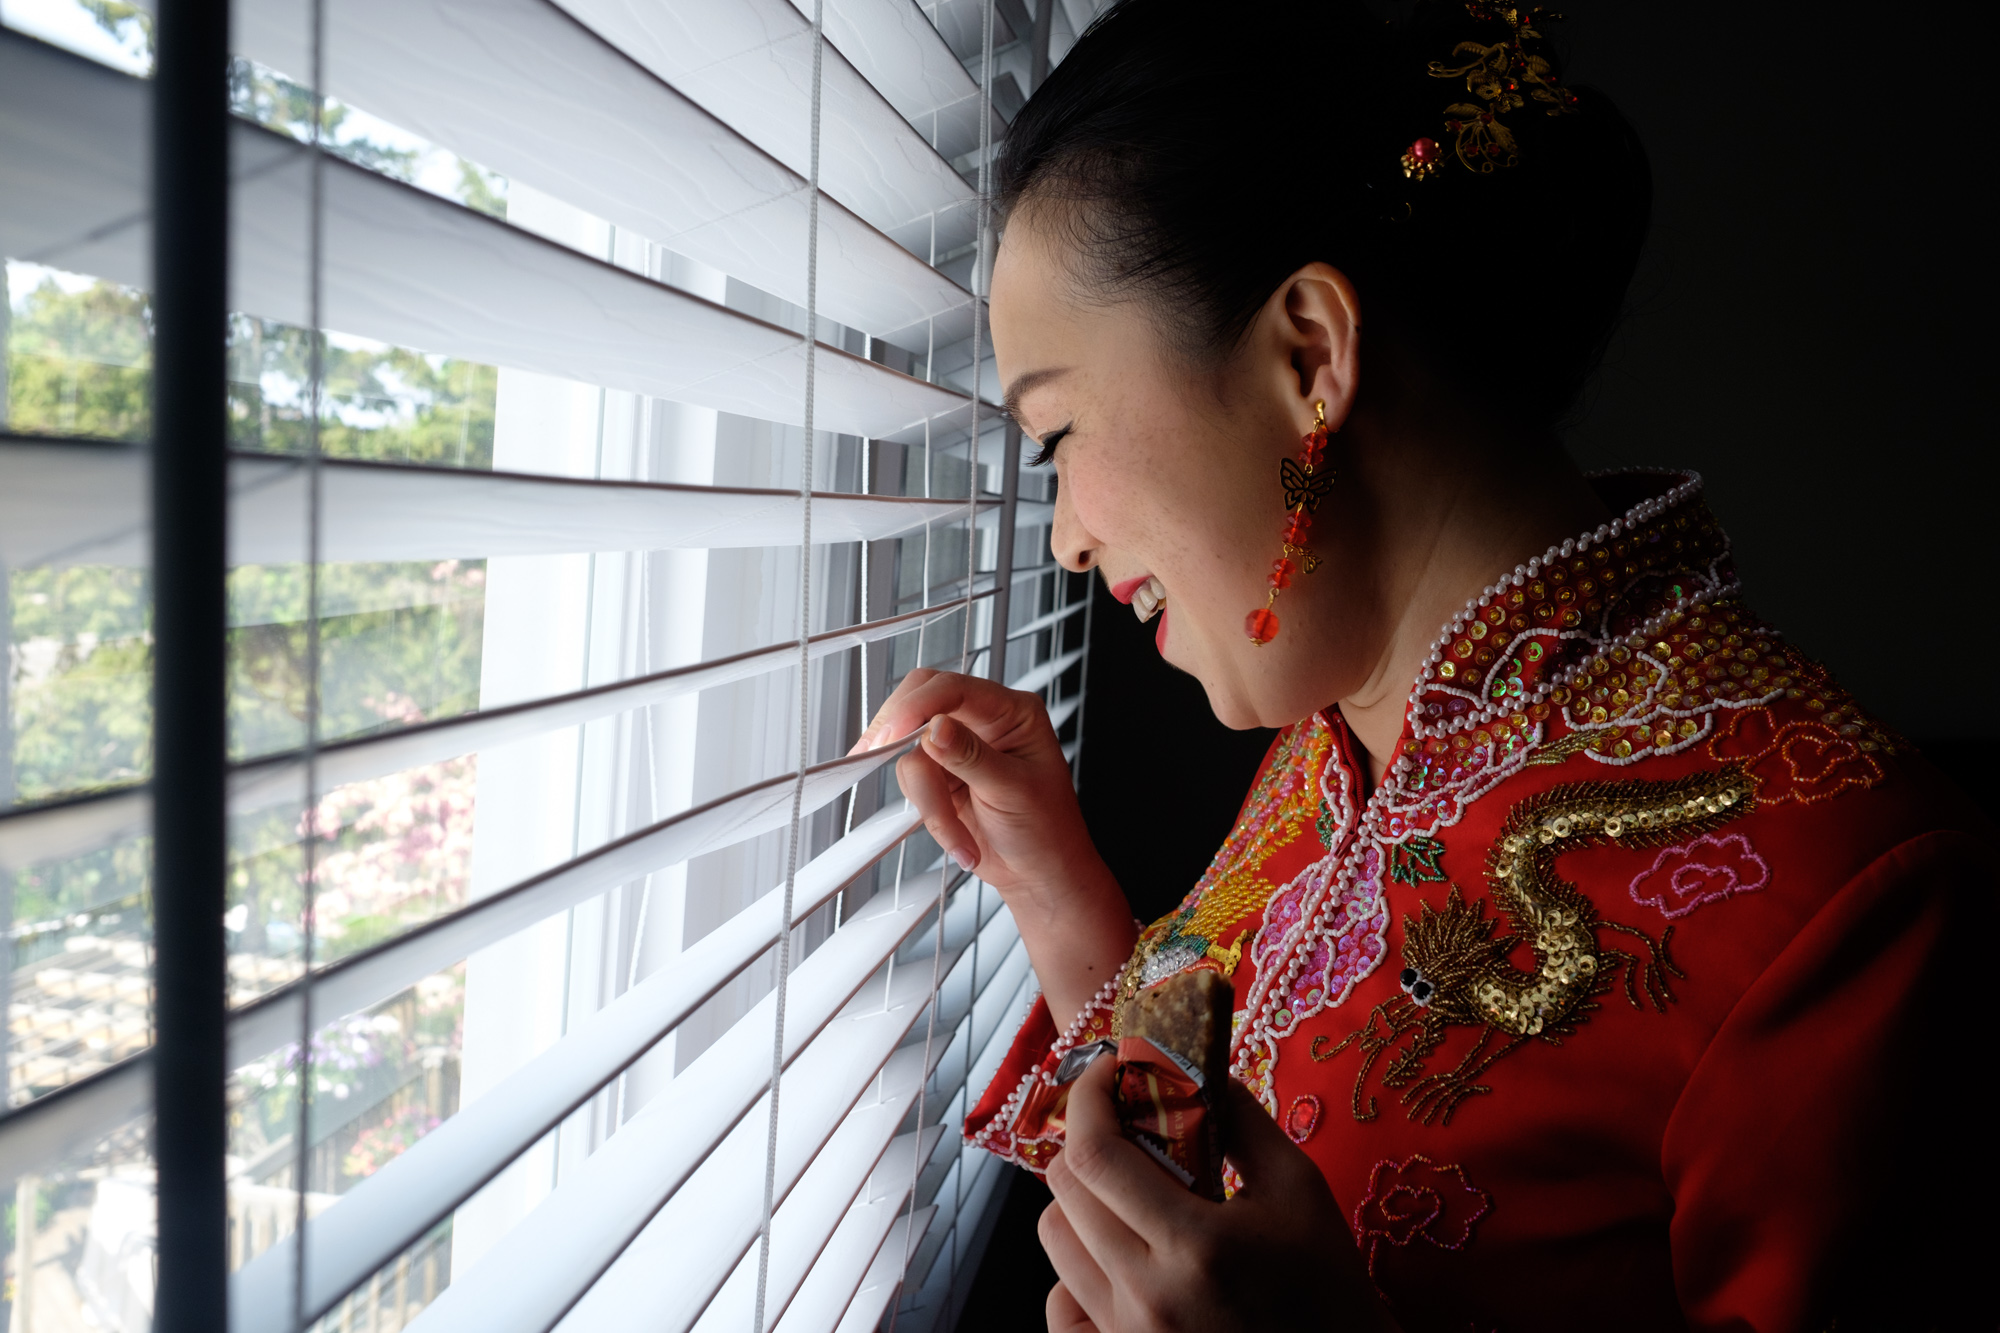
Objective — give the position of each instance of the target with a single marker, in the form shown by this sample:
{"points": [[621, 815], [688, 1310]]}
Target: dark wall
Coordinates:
{"points": [[1810, 327]]}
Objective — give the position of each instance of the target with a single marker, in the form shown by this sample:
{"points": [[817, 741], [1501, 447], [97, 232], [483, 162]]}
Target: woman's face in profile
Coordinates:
{"points": [[1166, 472]]}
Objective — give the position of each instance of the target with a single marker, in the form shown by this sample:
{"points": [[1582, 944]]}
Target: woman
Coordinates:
{"points": [[1610, 974]]}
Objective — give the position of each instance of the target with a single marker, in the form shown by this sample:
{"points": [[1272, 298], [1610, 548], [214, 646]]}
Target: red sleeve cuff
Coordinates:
{"points": [[1020, 1118]]}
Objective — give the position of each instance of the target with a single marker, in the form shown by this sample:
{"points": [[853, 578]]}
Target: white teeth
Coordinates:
{"points": [[1148, 600]]}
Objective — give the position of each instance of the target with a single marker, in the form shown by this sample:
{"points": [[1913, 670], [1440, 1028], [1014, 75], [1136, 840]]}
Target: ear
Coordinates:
{"points": [[1309, 335]]}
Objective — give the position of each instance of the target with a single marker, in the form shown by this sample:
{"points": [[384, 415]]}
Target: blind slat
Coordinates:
{"points": [[884, 1277], [368, 978], [377, 756], [499, 295], [534, 1274], [408, 268], [522, 88], [57, 1125], [83, 824], [704, 1232], [750, 63], [874, 1222], [1042, 622], [73, 827], [860, 1159], [72, 503], [97, 1105], [72, 148], [965, 1036], [933, 1268], [1036, 679], [388, 1211], [1063, 711], [1004, 959], [893, 45]]}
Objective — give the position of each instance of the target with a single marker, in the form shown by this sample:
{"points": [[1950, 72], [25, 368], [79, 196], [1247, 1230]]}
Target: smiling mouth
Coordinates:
{"points": [[1148, 598]]}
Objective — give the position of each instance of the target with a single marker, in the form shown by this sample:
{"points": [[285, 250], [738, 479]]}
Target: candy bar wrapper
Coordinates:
{"points": [[1172, 1060], [1174, 1052]]}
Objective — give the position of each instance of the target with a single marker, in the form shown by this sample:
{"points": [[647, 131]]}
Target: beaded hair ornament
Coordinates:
{"points": [[1505, 77]]}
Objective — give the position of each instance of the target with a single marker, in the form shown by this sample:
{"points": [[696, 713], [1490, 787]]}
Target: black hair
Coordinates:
{"points": [[1195, 156]]}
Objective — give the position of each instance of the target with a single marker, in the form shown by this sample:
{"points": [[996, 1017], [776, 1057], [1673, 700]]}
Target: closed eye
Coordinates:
{"points": [[1047, 452]]}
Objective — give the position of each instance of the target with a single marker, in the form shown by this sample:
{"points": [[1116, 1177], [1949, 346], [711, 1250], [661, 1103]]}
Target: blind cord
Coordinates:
{"points": [[910, 1244], [309, 852], [984, 261], [805, 681]]}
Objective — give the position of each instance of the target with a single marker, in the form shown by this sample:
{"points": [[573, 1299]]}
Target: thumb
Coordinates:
{"points": [[956, 747], [1259, 1150]]}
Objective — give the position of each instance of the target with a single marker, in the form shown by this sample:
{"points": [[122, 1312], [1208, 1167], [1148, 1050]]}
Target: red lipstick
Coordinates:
{"points": [[1160, 634]]}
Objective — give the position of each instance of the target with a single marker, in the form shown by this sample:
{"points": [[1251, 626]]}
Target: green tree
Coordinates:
{"points": [[78, 363], [275, 102], [82, 679], [130, 24], [385, 403]]}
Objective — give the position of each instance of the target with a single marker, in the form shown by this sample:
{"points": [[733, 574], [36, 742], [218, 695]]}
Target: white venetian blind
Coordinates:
{"points": [[612, 428]]}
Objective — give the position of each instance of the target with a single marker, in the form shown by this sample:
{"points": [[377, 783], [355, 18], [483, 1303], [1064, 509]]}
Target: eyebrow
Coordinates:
{"points": [[1026, 384]]}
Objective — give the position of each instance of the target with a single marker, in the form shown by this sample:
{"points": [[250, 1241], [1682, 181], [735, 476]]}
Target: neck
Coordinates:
{"points": [[1461, 505]]}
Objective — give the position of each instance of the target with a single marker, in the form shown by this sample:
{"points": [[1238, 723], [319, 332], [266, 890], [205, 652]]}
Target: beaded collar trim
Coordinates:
{"points": [[1497, 671], [1536, 629]]}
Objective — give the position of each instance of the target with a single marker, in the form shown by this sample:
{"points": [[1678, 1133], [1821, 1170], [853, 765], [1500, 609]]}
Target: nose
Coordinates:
{"points": [[1069, 541]]}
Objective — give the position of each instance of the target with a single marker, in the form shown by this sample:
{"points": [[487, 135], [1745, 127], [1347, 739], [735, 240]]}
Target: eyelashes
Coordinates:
{"points": [[1047, 452]]}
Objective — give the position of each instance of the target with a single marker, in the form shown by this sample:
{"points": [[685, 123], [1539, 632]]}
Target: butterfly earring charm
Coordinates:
{"points": [[1306, 482]]}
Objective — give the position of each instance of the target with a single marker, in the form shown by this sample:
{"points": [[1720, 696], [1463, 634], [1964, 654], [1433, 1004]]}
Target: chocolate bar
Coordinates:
{"points": [[1173, 1063]]}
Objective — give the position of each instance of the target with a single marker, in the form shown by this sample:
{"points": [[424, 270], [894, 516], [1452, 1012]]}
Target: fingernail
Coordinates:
{"points": [[965, 859]]}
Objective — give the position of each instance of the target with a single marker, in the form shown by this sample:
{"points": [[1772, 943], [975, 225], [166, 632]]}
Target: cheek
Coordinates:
{"points": [[1108, 497], [1164, 508]]}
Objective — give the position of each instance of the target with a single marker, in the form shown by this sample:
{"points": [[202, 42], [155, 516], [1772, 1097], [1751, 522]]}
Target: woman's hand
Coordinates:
{"points": [[989, 777], [1138, 1253], [993, 787]]}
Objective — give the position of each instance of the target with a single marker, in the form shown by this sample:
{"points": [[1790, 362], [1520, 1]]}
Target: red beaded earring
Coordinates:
{"points": [[1306, 484]]}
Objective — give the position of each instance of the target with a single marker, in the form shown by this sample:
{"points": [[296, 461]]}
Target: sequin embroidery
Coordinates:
{"points": [[1457, 974]]}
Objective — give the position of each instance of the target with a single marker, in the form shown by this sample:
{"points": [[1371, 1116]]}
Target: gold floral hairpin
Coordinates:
{"points": [[1504, 76]]}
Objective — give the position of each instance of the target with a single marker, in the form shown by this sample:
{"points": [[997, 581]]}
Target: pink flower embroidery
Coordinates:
{"points": [[1417, 1198], [1704, 870]]}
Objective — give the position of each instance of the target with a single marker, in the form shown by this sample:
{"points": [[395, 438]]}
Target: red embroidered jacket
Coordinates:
{"points": [[1636, 996]]}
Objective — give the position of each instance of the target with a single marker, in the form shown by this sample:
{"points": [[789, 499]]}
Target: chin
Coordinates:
{"points": [[1232, 707], [1242, 699]]}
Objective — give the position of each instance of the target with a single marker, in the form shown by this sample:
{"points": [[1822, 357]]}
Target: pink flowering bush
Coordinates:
{"points": [[386, 1140], [394, 850]]}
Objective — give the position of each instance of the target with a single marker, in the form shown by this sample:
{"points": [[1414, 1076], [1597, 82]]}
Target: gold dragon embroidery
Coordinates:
{"points": [[1456, 974]]}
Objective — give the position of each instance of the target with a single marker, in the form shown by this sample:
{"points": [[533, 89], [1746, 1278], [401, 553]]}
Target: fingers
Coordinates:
{"points": [[958, 748], [997, 713], [1065, 1315], [1101, 1231], [1081, 1274], [1253, 1143], [876, 733], [934, 792], [1129, 1188]]}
